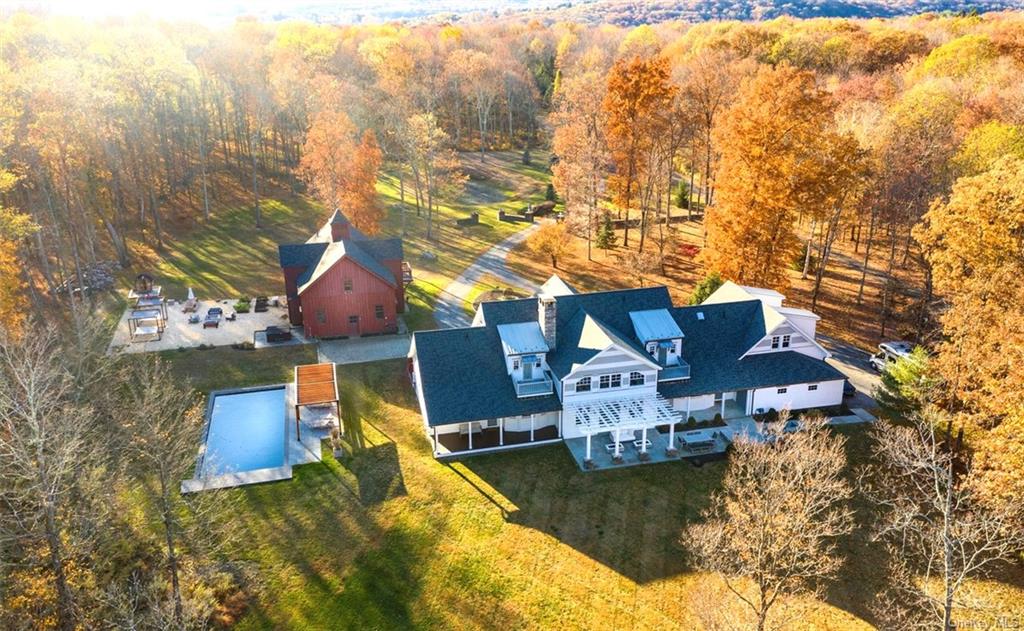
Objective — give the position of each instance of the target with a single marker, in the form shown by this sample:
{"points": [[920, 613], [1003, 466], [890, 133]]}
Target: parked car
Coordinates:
{"points": [[792, 426], [213, 317], [848, 389], [889, 352]]}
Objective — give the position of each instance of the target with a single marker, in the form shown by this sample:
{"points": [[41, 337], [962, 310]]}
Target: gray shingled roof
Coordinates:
{"points": [[367, 253], [463, 376], [713, 347]]}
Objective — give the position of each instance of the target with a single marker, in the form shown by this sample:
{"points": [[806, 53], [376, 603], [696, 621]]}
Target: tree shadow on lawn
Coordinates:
{"points": [[629, 520]]}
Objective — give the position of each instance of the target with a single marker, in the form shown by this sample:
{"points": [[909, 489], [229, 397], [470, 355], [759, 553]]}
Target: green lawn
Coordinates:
{"points": [[392, 539]]}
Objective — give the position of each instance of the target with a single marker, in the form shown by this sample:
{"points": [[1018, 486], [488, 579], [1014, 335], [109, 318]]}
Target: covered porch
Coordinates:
{"points": [[622, 431], [490, 438]]}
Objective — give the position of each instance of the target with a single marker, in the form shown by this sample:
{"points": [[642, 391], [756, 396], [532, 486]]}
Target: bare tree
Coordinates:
{"points": [[50, 467], [162, 426], [940, 531], [772, 530]]}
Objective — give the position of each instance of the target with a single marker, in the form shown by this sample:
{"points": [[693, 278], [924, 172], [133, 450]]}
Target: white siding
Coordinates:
{"points": [[798, 397], [797, 342]]}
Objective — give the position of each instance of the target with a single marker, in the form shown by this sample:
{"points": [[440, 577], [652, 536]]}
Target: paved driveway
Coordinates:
{"points": [[450, 310], [364, 349], [853, 362]]}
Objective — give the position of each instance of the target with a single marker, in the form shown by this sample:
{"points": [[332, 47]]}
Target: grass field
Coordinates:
{"points": [[229, 257], [393, 539]]}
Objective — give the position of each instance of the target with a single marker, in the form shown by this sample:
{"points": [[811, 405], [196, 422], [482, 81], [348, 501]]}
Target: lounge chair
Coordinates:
{"points": [[213, 317]]}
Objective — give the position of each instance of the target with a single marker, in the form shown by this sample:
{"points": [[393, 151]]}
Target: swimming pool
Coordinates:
{"points": [[246, 432]]}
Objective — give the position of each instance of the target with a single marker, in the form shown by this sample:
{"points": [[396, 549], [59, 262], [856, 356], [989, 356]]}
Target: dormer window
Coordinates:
{"points": [[785, 341], [515, 364], [775, 342]]}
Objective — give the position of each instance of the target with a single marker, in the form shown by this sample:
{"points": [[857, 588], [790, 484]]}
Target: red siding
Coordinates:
{"points": [[291, 292], [395, 266], [326, 307]]}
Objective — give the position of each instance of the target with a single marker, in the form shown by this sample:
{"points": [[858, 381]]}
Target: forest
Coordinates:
{"points": [[889, 152]]}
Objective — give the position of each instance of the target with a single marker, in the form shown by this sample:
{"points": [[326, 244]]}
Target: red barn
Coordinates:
{"points": [[341, 283]]}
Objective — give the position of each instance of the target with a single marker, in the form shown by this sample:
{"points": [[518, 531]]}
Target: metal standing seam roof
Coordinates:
{"points": [[522, 338], [654, 324]]}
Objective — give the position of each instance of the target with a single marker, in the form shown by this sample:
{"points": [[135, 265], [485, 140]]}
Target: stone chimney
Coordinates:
{"points": [[547, 316], [340, 228]]}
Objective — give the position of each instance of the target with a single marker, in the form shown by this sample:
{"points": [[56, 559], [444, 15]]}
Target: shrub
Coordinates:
{"points": [[549, 194], [718, 419], [691, 423], [771, 416], [243, 305], [683, 195]]}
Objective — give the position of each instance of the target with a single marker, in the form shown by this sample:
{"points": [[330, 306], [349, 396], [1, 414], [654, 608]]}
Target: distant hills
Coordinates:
{"points": [[633, 12], [621, 12]]}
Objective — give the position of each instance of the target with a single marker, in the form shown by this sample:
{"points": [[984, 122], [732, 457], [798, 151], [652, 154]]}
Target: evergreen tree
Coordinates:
{"points": [[705, 288], [606, 237], [906, 385], [549, 194], [683, 195]]}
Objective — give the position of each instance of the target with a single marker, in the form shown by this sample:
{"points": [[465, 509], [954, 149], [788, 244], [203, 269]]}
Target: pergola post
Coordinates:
{"points": [[470, 433], [501, 432], [298, 435], [672, 434], [723, 405], [559, 423], [618, 445], [588, 446], [643, 440], [687, 408]]}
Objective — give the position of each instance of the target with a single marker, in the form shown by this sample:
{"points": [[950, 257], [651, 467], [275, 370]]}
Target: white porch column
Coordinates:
{"points": [[618, 445], [643, 440], [672, 434], [470, 433], [588, 446], [435, 439], [501, 432], [531, 428], [559, 423], [687, 409], [723, 405]]}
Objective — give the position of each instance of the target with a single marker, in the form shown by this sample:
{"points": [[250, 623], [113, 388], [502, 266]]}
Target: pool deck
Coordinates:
{"points": [[297, 452]]}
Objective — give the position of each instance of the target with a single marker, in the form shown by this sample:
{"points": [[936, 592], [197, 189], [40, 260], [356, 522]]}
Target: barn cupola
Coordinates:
{"points": [[340, 228]]}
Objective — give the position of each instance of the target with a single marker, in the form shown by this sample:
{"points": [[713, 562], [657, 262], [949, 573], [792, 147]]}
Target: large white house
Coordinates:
{"points": [[615, 370]]}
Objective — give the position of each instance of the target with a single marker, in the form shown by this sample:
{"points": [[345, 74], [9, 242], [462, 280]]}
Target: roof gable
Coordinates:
{"points": [[333, 253]]}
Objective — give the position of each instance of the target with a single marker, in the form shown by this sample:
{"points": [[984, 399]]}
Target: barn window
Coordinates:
{"points": [[321, 316], [348, 285], [378, 310], [353, 319]]}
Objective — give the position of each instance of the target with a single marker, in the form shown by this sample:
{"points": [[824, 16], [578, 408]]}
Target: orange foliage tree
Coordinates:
{"points": [[638, 103], [343, 171], [767, 138]]}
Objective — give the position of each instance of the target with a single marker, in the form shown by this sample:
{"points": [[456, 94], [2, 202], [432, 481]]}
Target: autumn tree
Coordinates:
{"points": [[580, 146], [940, 530], [552, 240], [768, 138], [768, 537], [637, 106], [343, 171]]}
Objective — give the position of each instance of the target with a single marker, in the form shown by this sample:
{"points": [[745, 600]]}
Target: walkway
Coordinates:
{"points": [[364, 349], [450, 310]]}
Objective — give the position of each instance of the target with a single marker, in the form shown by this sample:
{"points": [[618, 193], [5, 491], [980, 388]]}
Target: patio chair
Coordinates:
{"points": [[639, 443]]}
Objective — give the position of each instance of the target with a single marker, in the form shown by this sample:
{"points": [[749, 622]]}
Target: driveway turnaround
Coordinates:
{"points": [[450, 310], [364, 349], [853, 362]]}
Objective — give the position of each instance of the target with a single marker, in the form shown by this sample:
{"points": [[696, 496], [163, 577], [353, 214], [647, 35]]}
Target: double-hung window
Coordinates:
{"points": [[636, 378], [775, 342], [605, 381], [785, 341], [616, 380], [583, 385]]}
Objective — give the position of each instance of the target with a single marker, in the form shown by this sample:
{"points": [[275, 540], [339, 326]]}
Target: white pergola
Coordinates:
{"points": [[623, 414]]}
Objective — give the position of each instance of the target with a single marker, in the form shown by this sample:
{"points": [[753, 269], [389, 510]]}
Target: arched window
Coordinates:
{"points": [[636, 378], [583, 385]]}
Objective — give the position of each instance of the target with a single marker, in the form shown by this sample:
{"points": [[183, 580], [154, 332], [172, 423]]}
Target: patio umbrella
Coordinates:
{"points": [[191, 294]]}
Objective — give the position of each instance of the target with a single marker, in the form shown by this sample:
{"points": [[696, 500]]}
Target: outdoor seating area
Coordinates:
{"points": [[631, 451]]}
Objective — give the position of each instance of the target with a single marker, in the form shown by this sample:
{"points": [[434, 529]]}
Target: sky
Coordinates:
{"points": [[225, 11]]}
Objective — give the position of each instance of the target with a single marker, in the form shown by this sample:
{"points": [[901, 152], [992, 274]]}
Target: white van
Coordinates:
{"points": [[889, 352]]}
